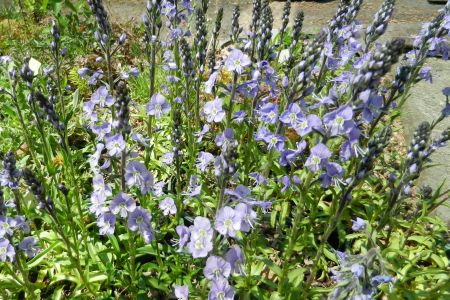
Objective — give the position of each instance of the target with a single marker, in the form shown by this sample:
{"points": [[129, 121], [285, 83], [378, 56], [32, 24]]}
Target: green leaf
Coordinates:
{"points": [[439, 261], [57, 294], [42, 255], [70, 5], [65, 277], [295, 277], [272, 266], [114, 243], [97, 276], [44, 5]]}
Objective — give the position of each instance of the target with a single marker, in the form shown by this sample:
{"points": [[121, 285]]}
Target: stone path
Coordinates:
{"points": [[426, 99]]}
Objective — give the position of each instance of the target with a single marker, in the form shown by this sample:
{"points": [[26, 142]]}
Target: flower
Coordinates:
{"points": [[221, 290], [137, 174], [240, 192], [236, 61], [213, 111], [21, 223], [181, 292], [357, 270], [307, 124], [200, 247], [122, 204], [286, 181], [203, 160], [275, 141], [216, 267], [115, 144], [101, 130], [209, 84], [184, 234], [133, 173], [6, 251], [379, 279], [89, 111], [225, 139], [201, 237], [102, 98], [168, 206], [340, 121], [9, 176], [28, 245], [289, 156], [194, 188], [268, 113], [259, 178], [158, 106], [334, 172], [247, 216], [167, 158], [372, 105], [102, 190], [82, 72], [249, 89], [235, 257], [425, 74], [202, 133], [201, 228], [291, 115], [106, 222], [139, 219], [239, 116], [6, 226], [358, 224], [134, 72], [157, 189], [318, 157], [227, 221]]}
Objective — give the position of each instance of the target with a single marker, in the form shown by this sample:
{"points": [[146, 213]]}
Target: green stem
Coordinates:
{"points": [[24, 273], [293, 235], [232, 95]]}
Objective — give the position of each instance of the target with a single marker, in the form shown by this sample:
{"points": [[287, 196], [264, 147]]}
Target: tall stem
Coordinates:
{"points": [[232, 95]]}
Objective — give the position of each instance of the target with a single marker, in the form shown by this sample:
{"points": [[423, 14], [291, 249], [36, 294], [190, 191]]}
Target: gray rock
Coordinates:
{"points": [[425, 104]]}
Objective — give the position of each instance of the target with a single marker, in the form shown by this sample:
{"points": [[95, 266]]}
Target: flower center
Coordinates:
{"points": [[237, 62], [340, 121], [273, 140], [228, 223], [316, 160], [304, 124], [139, 220], [2, 250], [199, 244], [293, 117]]}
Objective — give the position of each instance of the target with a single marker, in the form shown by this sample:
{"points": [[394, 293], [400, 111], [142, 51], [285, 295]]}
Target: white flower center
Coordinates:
{"points": [[199, 244], [228, 223], [340, 121], [316, 160]]}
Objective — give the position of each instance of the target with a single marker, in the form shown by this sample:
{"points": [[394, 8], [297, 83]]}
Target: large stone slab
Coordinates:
{"points": [[425, 104]]}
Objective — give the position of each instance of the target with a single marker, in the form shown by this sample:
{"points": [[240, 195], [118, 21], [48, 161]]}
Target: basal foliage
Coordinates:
{"points": [[256, 169]]}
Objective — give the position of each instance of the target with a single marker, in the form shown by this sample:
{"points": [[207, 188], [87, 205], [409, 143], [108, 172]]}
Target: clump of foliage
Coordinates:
{"points": [[256, 169]]}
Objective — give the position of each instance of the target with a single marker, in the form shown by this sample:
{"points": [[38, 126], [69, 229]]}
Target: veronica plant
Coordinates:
{"points": [[243, 175]]}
